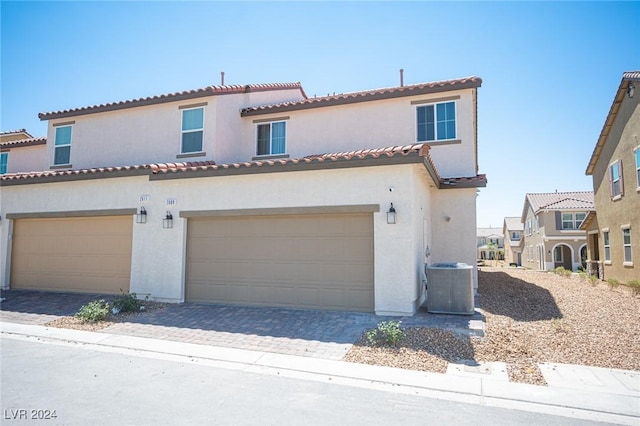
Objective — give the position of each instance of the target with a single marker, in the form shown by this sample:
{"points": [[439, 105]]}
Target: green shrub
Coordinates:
{"points": [[593, 280], [562, 272], [634, 285], [612, 283], [94, 311], [582, 275], [388, 332], [127, 302]]}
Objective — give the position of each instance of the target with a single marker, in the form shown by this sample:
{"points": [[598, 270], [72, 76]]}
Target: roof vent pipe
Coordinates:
{"points": [[221, 78], [401, 77]]}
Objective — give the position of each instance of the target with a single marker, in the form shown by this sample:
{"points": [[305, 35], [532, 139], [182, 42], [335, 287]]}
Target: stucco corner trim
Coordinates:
{"points": [[356, 208], [72, 213]]}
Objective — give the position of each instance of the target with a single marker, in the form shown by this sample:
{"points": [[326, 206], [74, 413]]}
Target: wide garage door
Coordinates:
{"points": [[319, 261], [79, 254]]}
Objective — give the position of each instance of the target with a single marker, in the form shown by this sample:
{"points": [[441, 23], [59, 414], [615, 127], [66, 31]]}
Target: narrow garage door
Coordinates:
{"points": [[322, 261], [80, 254]]}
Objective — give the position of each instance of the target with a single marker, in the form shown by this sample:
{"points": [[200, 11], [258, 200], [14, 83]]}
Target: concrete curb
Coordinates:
{"points": [[604, 406]]}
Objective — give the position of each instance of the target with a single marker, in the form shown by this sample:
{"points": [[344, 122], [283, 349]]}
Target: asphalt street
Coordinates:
{"points": [[81, 386]]}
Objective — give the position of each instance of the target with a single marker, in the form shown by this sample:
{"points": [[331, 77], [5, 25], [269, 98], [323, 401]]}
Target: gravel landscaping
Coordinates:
{"points": [[531, 317]]}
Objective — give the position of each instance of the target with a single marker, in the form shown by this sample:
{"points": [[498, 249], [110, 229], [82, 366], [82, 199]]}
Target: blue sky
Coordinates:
{"points": [[549, 70]]}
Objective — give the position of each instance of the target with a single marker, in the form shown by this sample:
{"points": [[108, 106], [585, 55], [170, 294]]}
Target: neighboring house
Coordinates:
{"points": [[552, 234], [20, 151], [614, 229], [512, 230], [255, 195], [490, 244]]}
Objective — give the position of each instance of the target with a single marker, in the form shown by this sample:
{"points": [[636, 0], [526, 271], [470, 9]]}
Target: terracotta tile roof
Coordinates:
{"points": [[171, 97], [11, 132], [24, 142], [417, 154], [559, 201], [513, 224], [627, 78], [368, 95]]}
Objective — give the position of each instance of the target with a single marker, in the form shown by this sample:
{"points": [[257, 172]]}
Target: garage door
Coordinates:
{"points": [[86, 254], [322, 261]]}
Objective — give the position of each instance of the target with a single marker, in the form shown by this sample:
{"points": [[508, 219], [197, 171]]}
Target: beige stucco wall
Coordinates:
{"points": [[158, 255], [612, 214], [27, 158]]}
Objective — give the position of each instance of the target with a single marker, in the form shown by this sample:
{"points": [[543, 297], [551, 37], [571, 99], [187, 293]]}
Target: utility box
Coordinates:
{"points": [[450, 288]]}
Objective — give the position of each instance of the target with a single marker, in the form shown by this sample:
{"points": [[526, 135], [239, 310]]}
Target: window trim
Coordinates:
{"points": [[183, 109], [626, 262], [4, 163], [636, 152], [435, 103], [612, 181], [56, 145], [606, 244], [270, 123]]}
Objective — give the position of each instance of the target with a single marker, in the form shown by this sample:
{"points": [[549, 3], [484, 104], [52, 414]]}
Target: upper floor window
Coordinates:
{"points": [[271, 139], [572, 220], [607, 246], [515, 235], [637, 152], [616, 185], [626, 244], [192, 129], [4, 158], [62, 145], [436, 122]]}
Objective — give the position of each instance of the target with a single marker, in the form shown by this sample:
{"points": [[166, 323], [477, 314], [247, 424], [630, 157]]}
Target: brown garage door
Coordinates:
{"points": [[85, 254], [322, 261]]}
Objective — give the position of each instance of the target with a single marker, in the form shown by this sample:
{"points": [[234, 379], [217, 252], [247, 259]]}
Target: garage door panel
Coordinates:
{"points": [[310, 261], [85, 254]]}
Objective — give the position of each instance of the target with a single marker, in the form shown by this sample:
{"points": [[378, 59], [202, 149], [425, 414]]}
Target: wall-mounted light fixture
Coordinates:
{"points": [[631, 89], [141, 216], [391, 215], [167, 222]]}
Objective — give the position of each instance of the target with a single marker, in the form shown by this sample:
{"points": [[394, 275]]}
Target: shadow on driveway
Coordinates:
{"points": [[502, 294]]}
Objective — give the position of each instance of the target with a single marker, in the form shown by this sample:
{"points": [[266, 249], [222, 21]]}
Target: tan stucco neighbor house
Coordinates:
{"points": [[512, 230], [20, 151], [250, 194], [552, 236], [490, 244], [614, 228]]}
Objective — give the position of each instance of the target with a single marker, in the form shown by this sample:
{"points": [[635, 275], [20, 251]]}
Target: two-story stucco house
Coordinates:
{"points": [[614, 229], [552, 234], [253, 194], [490, 244], [20, 151], [512, 230]]}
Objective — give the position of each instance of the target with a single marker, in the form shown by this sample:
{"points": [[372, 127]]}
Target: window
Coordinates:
{"points": [[579, 219], [626, 244], [272, 138], [62, 145], [4, 158], [529, 227], [572, 220], [607, 246], [515, 235], [437, 122], [557, 254], [616, 185], [192, 129], [637, 152]]}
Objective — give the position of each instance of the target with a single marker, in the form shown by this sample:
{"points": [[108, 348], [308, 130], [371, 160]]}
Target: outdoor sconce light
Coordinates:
{"points": [[631, 89], [391, 215], [141, 216], [167, 222]]}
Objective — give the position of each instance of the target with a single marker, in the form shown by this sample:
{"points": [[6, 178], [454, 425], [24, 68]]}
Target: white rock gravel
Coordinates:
{"points": [[531, 317]]}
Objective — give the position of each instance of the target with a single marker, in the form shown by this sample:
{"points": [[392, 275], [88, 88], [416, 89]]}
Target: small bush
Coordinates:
{"points": [[127, 302], [634, 285], [582, 275], [613, 283], [563, 272], [94, 311], [388, 332], [593, 280]]}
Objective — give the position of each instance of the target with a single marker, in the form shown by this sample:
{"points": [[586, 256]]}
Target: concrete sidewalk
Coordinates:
{"points": [[599, 394]]}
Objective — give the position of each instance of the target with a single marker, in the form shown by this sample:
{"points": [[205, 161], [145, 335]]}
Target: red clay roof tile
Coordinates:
{"points": [[24, 142]]}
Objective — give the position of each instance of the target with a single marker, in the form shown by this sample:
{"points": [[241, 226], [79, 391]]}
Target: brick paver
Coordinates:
{"points": [[313, 333]]}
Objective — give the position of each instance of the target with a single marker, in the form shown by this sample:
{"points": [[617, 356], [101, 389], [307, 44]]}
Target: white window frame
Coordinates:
{"points": [[183, 132], [626, 261], [515, 236], [636, 154], [57, 146], [619, 181], [558, 254], [435, 122], [4, 161], [606, 244], [270, 124], [575, 222]]}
